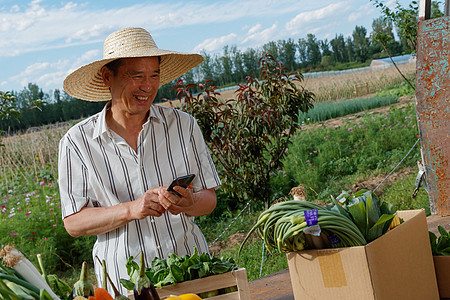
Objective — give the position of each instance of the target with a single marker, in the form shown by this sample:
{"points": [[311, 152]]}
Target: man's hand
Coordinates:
{"points": [[176, 204], [98, 220], [147, 205], [193, 204]]}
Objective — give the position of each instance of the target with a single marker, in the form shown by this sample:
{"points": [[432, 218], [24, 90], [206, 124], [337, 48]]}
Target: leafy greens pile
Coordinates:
{"points": [[176, 269], [441, 245], [370, 215]]}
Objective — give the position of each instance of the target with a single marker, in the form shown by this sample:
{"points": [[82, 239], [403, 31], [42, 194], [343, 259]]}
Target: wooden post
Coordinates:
{"points": [[432, 105]]}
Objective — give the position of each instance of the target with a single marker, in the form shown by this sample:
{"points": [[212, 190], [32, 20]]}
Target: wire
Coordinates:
{"points": [[262, 258], [397, 165], [229, 225]]}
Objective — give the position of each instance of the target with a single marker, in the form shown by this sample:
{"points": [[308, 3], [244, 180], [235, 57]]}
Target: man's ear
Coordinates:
{"points": [[106, 76]]}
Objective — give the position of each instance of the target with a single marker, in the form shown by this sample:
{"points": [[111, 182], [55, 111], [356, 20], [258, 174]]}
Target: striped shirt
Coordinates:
{"points": [[97, 168]]}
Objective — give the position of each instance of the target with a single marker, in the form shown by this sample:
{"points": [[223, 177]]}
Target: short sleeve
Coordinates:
{"points": [[72, 179], [207, 173]]}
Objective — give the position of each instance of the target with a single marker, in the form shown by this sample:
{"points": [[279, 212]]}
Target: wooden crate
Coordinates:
{"points": [[236, 278]]}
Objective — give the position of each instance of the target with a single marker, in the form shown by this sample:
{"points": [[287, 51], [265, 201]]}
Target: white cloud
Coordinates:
{"points": [[361, 13], [254, 29], [38, 26], [306, 20], [85, 34], [84, 59], [259, 36], [14, 8], [215, 44]]}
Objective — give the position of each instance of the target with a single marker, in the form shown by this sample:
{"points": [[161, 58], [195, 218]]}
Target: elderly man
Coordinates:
{"points": [[114, 167]]}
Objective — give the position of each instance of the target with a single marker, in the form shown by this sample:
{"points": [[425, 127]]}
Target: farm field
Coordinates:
{"points": [[30, 213], [346, 86]]}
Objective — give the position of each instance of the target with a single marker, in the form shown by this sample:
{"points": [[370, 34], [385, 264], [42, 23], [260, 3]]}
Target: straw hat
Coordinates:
{"points": [[86, 83]]}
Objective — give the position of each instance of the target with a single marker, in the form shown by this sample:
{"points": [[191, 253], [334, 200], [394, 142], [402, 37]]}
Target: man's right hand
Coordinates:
{"points": [[147, 205], [98, 220]]}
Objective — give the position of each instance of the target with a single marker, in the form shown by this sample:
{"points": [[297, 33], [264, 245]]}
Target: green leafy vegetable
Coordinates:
{"points": [[176, 269], [441, 245], [372, 216]]}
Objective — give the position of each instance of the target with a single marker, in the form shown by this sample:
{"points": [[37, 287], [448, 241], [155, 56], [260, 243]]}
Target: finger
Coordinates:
{"points": [[175, 209], [156, 206], [181, 190]]}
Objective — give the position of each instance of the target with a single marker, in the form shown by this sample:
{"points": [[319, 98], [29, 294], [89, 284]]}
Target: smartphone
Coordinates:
{"points": [[182, 181]]}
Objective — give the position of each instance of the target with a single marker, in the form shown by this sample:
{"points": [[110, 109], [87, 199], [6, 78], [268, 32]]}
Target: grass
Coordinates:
{"points": [[323, 111], [326, 160]]}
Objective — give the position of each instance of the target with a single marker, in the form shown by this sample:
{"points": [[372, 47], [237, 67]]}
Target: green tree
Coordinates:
{"points": [[249, 135], [302, 51], [361, 44], [272, 49], [350, 48], [250, 61], [31, 93], [287, 51], [313, 50], [325, 48], [339, 50], [238, 64], [227, 66], [7, 106], [206, 67], [405, 20], [383, 40]]}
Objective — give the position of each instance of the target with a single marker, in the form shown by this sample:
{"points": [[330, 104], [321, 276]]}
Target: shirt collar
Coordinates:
{"points": [[101, 128]]}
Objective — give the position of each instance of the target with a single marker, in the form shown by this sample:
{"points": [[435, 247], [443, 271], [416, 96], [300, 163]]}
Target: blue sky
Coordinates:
{"points": [[44, 40]]}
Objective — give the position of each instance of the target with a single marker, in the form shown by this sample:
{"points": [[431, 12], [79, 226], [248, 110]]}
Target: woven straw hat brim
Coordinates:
{"points": [[86, 83]]}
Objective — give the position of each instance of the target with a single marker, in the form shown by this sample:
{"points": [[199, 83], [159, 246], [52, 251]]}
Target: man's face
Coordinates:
{"points": [[135, 85]]}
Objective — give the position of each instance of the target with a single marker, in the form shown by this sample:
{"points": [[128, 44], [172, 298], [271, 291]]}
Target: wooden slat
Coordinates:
{"points": [[212, 283], [242, 284]]}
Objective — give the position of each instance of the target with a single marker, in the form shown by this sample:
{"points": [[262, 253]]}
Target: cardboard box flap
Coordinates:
{"points": [[409, 214], [400, 262]]}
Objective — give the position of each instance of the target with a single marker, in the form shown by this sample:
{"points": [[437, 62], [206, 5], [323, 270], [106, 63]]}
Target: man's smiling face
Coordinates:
{"points": [[135, 84]]}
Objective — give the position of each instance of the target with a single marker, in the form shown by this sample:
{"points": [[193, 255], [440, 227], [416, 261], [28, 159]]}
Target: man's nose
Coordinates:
{"points": [[146, 85]]}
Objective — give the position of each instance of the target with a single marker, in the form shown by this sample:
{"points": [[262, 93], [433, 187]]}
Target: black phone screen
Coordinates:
{"points": [[182, 181]]}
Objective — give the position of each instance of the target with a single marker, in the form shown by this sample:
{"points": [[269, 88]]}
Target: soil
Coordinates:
{"points": [[369, 183], [233, 240]]}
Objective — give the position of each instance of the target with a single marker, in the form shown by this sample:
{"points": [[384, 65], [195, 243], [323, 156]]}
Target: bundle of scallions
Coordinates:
{"points": [[295, 225]]}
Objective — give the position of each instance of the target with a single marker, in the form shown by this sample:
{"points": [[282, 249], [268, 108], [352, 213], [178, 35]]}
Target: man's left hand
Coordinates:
{"points": [[174, 203]]}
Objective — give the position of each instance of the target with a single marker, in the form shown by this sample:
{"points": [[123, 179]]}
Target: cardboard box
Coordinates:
{"points": [[236, 278], [442, 267], [397, 265]]}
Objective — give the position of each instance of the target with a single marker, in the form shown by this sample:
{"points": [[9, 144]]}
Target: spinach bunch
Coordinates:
{"points": [[176, 269], [441, 245], [372, 216]]}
